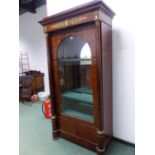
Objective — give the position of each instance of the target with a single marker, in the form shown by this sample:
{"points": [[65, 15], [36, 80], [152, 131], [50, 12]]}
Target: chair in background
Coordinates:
{"points": [[25, 88]]}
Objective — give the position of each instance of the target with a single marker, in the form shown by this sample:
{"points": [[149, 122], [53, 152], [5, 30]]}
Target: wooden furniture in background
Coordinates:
{"points": [[30, 83], [79, 43], [38, 80], [25, 88]]}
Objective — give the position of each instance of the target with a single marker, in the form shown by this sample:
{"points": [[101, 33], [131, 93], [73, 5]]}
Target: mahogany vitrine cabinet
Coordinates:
{"points": [[79, 43]]}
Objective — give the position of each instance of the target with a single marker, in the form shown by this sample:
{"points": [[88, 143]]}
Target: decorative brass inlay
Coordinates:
{"points": [[100, 150], [96, 15], [58, 25], [55, 131], [53, 117], [68, 22], [97, 22], [100, 132], [46, 34], [45, 28]]}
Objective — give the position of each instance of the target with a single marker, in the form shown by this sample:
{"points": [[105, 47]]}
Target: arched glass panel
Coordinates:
{"points": [[75, 78]]}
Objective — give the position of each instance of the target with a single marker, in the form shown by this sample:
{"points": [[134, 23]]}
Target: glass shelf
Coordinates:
{"points": [[85, 98], [72, 60]]}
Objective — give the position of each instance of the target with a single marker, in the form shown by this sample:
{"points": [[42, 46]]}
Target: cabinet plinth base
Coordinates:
{"points": [[82, 142], [55, 135]]}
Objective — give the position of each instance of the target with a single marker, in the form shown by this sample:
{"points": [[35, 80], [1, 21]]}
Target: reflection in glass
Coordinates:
{"points": [[85, 52], [74, 62]]}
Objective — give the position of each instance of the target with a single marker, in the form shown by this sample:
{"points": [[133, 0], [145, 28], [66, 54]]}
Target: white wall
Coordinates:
{"points": [[32, 40], [123, 63], [123, 70]]}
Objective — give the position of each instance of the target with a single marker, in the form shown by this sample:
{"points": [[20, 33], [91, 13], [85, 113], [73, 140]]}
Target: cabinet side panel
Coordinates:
{"points": [[51, 83], [106, 36]]}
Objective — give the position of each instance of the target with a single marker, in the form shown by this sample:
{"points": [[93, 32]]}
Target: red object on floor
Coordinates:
{"points": [[46, 108]]}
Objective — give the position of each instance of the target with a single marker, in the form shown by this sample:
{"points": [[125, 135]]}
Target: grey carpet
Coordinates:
{"points": [[35, 136]]}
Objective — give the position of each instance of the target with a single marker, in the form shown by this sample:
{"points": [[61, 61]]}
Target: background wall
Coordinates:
{"points": [[123, 63], [32, 40]]}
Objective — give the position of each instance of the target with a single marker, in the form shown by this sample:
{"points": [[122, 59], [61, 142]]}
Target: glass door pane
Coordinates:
{"points": [[75, 79]]}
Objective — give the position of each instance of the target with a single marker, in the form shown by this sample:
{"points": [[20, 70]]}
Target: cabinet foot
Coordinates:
{"points": [[100, 151], [55, 135]]}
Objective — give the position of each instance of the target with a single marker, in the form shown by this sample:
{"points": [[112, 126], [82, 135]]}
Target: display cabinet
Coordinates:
{"points": [[79, 44]]}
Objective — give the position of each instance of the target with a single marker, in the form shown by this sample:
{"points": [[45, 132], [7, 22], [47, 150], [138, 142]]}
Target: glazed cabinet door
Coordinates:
{"points": [[73, 56]]}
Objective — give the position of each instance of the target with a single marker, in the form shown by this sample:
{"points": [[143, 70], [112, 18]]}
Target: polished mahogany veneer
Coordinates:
{"points": [[79, 44]]}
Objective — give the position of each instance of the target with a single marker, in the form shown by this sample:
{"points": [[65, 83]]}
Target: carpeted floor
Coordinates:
{"points": [[36, 139]]}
